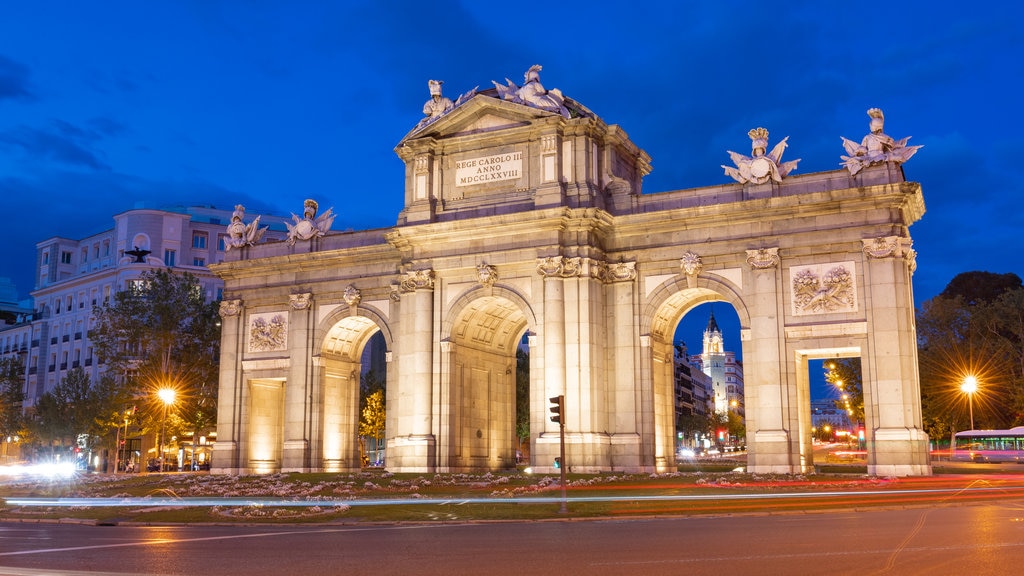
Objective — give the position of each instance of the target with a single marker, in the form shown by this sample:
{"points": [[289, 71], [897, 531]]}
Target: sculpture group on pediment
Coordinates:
{"points": [[241, 234], [759, 167], [532, 93], [877, 147], [310, 225]]}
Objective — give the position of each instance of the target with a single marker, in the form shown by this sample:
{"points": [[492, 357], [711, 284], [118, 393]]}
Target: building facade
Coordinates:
{"points": [[721, 366], [693, 398], [524, 216]]}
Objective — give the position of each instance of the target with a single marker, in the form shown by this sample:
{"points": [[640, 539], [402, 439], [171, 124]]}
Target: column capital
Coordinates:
{"points": [[763, 258], [230, 308], [417, 279]]}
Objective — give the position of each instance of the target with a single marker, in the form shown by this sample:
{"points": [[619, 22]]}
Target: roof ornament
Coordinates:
{"points": [[877, 147], [759, 167], [241, 234], [310, 225], [532, 93]]}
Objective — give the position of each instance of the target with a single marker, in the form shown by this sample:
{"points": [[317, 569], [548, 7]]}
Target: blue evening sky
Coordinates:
{"points": [[104, 105]]}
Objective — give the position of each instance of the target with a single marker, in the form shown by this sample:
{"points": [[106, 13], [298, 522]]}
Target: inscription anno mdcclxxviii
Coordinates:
{"points": [[489, 169]]}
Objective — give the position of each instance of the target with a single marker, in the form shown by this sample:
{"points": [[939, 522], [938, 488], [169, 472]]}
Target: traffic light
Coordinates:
{"points": [[721, 435], [556, 410]]}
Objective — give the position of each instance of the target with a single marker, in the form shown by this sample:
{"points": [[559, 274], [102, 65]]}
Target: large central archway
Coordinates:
{"points": [[478, 388]]}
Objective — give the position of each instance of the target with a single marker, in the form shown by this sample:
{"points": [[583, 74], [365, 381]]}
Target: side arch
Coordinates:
{"points": [[671, 300], [337, 355]]}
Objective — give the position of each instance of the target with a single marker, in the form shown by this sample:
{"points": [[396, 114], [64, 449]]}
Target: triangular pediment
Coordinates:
{"points": [[478, 115]]}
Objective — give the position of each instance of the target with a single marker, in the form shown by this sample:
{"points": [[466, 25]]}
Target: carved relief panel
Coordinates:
{"points": [[823, 288]]}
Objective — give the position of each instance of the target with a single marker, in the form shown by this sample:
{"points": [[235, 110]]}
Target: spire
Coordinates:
{"points": [[712, 325]]}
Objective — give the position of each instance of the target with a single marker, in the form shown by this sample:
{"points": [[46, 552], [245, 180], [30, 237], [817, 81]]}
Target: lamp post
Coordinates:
{"points": [[969, 387], [167, 395]]}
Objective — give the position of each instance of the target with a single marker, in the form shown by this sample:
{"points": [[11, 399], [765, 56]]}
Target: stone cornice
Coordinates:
{"points": [[520, 224]]}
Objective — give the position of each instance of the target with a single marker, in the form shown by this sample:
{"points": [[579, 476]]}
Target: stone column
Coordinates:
{"points": [[298, 393], [226, 457], [552, 334], [412, 447], [624, 414], [898, 445], [770, 418]]}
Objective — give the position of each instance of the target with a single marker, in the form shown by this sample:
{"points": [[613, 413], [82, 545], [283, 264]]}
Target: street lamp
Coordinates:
{"points": [[969, 387], [167, 395]]}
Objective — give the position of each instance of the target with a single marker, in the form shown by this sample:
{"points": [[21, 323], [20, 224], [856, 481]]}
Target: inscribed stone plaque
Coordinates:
{"points": [[488, 169]]}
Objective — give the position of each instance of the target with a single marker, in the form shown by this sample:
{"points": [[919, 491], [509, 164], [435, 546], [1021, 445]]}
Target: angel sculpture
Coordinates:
{"points": [[877, 147], [241, 234], [760, 167], [532, 93], [310, 225]]}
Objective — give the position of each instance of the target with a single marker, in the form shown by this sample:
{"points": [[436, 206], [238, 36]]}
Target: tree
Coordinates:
{"points": [[975, 327], [373, 418], [12, 424], [160, 332], [522, 396], [845, 376], [75, 409], [980, 287], [694, 425]]}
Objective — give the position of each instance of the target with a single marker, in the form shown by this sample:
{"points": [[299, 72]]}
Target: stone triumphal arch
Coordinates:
{"points": [[524, 225]]}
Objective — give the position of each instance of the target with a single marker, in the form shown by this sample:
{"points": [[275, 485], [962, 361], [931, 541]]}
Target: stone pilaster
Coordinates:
{"points": [[891, 383], [296, 453], [412, 447], [226, 451], [770, 418]]}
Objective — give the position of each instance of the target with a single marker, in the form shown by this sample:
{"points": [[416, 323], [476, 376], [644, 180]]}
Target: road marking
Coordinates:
{"points": [[160, 541]]}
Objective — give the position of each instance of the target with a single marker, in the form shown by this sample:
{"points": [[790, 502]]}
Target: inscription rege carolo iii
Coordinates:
{"points": [[486, 169]]}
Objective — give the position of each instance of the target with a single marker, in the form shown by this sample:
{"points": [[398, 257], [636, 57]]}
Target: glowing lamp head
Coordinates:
{"points": [[167, 395], [970, 385]]}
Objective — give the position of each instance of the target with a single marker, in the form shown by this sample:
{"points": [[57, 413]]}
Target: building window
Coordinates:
{"points": [[222, 242], [169, 258], [65, 257], [106, 247], [199, 239], [199, 261], [46, 257]]}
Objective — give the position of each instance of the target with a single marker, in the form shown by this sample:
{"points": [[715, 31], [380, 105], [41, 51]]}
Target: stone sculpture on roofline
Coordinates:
{"points": [[310, 225], [760, 167], [876, 148], [532, 93], [241, 234]]}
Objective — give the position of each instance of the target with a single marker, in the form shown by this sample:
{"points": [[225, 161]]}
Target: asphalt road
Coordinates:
{"points": [[977, 539]]}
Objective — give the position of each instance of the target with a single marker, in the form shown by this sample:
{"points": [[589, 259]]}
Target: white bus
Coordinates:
{"points": [[989, 445]]}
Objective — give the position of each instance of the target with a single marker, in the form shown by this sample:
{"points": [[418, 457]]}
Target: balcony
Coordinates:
{"points": [[53, 340], [52, 367], [63, 366], [88, 362], [78, 335], [75, 364]]}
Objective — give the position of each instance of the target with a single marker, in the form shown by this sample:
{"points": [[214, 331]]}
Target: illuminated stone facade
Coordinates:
{"points": [[526, 222]]}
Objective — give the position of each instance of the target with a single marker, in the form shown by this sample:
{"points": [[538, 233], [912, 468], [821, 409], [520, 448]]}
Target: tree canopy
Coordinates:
{"points": [[161, 333], [975, 327]]}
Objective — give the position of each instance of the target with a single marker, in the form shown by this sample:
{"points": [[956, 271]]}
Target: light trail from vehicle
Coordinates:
{"points": [[875, 497]]}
